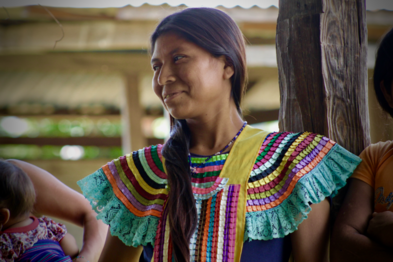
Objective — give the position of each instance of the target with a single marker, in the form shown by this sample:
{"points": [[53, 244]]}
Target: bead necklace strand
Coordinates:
{"points": [[193, 169]]}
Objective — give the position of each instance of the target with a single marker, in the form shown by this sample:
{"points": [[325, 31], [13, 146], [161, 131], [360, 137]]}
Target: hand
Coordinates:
{"points": [[380, 228]]}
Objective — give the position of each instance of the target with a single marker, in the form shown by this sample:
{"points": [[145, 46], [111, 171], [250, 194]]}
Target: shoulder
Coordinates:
{"points": [[49, 229], [294, 148], [129, 193], [377, 150], [138, 177], [373, 158], [291, 172]]}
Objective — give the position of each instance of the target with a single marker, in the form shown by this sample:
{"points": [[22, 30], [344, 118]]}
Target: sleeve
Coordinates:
{"points": [[54, 231], [292, 172], [128, 194], [366, 171]]}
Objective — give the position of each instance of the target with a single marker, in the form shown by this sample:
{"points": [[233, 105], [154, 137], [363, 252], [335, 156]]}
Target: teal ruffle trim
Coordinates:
{"points": [[132, 230], [323, 181]]}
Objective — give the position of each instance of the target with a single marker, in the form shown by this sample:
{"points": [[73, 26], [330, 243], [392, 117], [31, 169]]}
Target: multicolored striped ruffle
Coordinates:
{"points": [[129, 194], [284, 159], [292, 171]]}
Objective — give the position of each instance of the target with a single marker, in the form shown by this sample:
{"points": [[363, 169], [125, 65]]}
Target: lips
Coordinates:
{"points": [[169, 96]]}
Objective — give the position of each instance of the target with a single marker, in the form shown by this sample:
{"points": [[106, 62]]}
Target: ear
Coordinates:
{"points": [[388, 97], [228, 67], [4, 216]]}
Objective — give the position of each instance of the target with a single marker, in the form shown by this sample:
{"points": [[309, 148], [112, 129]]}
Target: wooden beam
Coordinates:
{"points": [[109, 35], [321, 54], [61, 141], [32, 29], [81, 36], [106, 62], [301, 84], [109, 62], [132, 113], [344, 68], [144, 12]]}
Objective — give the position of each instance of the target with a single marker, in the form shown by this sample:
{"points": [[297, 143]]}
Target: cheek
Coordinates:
{"points": [[156, 88]]}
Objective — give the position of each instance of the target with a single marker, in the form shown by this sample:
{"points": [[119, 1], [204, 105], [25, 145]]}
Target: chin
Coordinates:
{"points": [[179, 114]]}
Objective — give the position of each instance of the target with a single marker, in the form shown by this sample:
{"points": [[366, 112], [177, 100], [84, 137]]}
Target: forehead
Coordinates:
{"points": [[170, 43]]}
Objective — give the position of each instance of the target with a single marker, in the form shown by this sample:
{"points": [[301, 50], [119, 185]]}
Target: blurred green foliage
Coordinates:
{"points": [[33, 152], [49, 127]]}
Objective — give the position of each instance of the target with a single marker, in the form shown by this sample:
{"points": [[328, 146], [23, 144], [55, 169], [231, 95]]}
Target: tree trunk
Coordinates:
{"points": [[321, 55]]}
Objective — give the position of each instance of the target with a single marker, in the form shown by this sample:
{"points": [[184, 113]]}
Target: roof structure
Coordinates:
{"points": [[100, 45], [371, 5]]}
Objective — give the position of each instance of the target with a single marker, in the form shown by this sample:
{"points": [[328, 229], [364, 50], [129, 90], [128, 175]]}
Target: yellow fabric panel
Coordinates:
{"points": [[237, 169]]}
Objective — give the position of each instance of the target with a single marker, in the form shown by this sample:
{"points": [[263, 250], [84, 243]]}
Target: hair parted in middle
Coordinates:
{"points": [[217, 33]]}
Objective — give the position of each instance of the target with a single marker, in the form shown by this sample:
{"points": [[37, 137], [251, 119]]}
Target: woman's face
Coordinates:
{"points": [[189, 81]]}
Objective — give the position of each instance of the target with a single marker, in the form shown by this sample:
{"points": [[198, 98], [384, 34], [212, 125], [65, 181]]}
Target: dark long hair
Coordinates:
{"points": [[217, 33], [383, 70]]}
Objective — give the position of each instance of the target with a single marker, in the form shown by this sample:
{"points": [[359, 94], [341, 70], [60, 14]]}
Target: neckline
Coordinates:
{"points": [[27, 228], [202, 156]]}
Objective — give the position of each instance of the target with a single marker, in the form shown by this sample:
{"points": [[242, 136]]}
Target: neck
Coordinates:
{"points": [[18, 222], [211, 133]]}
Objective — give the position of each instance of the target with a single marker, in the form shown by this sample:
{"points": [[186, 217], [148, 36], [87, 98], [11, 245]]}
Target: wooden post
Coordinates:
{"points": [[132, 112], [321, 56]]}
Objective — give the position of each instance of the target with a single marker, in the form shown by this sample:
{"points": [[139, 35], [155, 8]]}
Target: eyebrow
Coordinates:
{"points": [[172, 52]]}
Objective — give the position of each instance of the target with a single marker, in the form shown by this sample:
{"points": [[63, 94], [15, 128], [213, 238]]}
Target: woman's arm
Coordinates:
{"points": [[310, 241], [349, 239], [57, 200], [116, 250]]}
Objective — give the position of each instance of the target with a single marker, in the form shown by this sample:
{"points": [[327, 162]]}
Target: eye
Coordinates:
{"points": [[177, 58], [155, 67]]}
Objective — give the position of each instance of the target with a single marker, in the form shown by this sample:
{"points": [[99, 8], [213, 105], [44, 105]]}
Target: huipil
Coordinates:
{"points": [[261, 190]]}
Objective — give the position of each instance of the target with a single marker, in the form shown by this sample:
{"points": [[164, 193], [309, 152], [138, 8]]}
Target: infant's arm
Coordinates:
{"points": [[69, 246]]}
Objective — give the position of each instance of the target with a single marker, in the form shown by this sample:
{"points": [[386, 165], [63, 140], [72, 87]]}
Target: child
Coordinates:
{"points": [[24, 237], [364, 226]]}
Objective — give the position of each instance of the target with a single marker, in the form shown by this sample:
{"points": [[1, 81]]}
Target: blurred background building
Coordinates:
{"points": [[75, 83]]}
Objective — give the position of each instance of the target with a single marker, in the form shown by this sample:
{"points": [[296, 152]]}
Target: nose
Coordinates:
{"points": [[166, 75]]}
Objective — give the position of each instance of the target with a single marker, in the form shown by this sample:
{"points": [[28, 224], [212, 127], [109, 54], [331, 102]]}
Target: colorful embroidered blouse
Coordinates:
{"points": [[289, 172], [14, 242]]}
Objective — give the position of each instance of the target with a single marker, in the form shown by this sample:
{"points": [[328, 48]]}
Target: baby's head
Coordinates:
{"points": [[383, 73], [17, 195]]}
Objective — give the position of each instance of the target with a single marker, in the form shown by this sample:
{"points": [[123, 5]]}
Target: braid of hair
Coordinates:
{"points": [[181, 207]]}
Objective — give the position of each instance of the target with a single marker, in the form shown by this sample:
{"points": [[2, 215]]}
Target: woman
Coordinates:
{"points": [[218, 190], [364, 226]]}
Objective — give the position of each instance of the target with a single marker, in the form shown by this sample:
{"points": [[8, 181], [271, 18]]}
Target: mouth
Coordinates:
{"points": [[167, 97]]}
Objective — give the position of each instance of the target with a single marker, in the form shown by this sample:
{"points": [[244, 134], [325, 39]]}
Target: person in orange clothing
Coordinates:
{"points": [[364, 226]]}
